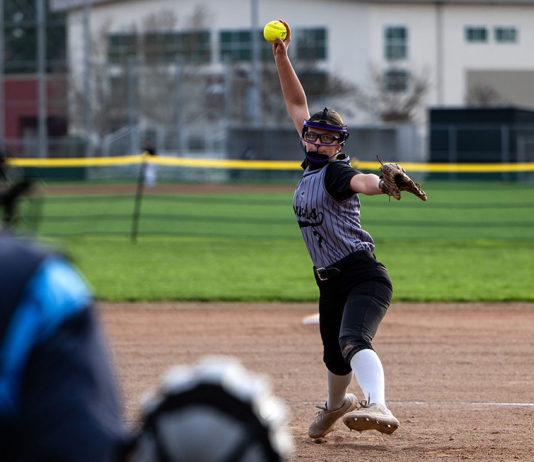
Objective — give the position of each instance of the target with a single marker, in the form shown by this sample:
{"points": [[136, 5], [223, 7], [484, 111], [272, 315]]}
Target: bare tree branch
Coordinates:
{"points": [[388, 105], [481, 95]]}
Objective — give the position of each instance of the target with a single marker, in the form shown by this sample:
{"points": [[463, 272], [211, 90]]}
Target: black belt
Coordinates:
{"points": [[324, 274], [332, 272]]}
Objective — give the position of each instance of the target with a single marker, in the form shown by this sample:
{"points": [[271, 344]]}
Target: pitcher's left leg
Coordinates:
{"points": [[365, 308]]}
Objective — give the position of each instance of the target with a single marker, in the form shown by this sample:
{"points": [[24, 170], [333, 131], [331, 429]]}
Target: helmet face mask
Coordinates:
{"points": [[341, 134]]}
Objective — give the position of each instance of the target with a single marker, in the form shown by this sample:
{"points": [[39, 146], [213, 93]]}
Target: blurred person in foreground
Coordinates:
{"points": [[355, 289], [58, 396]]}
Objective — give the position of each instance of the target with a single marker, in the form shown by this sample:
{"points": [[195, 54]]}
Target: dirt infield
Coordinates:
{"points": [[459, 377]]}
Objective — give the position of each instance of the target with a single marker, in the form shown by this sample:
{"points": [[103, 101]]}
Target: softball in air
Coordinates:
{"points": [[273, 30]]}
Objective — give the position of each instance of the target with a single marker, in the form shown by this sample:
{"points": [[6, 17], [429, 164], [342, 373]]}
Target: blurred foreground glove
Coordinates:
{"points": [[393, 180], [213, 411]]}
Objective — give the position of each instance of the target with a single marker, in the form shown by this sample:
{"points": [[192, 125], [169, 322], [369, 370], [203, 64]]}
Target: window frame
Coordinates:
{"points": [[115, 52], [387, 77], [512, 30], [236, 44], [177, 46], [311, 43], [396, 48], [138, 45], [470, 34]]}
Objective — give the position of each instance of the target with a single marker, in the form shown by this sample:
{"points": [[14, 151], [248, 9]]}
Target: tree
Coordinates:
{"points": [[391, 97], [481, 95], [394, 95], [145, 78]]}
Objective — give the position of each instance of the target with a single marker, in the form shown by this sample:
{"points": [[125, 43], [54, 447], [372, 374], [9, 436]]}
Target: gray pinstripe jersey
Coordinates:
{"points": [[331, 229]]}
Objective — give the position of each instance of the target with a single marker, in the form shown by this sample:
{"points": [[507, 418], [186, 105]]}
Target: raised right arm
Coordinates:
{"points": [[294, 95]]}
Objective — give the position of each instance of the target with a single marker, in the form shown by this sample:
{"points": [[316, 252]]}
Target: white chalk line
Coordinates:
{"points": [[459, 403], [412, 403], [444, 403]]}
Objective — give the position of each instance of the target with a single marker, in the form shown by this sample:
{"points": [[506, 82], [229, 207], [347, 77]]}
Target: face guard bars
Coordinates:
{"points": [[323, 124]]}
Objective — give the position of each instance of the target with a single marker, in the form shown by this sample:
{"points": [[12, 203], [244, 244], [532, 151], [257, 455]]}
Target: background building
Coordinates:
{"points": [[184, 73], [33, 77]]}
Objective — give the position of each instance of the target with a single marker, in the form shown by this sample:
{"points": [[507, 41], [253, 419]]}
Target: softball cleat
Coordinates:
{"points": [[324, 419], [371, 417]]}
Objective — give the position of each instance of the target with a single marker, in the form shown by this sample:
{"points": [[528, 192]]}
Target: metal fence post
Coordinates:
{"points": [[453, 150], [132, 106], [41, 79], [505, 149], [179, 102], [2, 70], [87, 98]]}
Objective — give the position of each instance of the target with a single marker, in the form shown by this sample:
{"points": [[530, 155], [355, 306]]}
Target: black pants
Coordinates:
{"points": [[351, 306]]}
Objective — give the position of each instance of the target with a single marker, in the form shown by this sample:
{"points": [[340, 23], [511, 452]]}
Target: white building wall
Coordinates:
{"points": [[349, 40], [355, 34], [460, 56], [420, 21]]}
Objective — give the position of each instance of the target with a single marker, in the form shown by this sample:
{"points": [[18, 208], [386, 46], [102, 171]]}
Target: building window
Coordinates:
{"points": [[396, 80], [476, 34], [236, 45], [121, 47], [505, 34], [118, 86], [20, 30], [311, 44], [167, 47], [161, 47], [395, 43], [314, 82]]}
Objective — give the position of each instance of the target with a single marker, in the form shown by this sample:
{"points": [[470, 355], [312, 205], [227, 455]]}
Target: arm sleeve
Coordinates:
{"points": [[337, 180]]}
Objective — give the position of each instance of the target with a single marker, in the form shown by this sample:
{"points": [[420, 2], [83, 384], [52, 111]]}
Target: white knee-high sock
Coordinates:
{"points": [[337, 386], [369, 373]]}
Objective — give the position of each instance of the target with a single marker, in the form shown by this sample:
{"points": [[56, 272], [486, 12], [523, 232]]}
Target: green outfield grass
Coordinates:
{"points": [[471, 241]]}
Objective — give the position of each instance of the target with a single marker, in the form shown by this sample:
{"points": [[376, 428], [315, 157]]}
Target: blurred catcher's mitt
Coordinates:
{"points": [[393, 180], [213, 411]]}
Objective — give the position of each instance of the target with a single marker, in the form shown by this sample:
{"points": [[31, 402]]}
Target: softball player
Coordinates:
{"points": [[355, 289]]}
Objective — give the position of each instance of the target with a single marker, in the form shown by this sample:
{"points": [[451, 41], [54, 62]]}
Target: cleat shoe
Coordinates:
{"points": [[324, 419], [371, 417]]}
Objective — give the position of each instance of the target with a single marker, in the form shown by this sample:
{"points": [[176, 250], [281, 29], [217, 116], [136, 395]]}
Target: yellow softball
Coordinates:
{"points": [[273, 30]]}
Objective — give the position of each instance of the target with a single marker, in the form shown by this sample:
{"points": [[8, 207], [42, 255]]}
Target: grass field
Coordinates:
{"points": [[470, 241]]}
